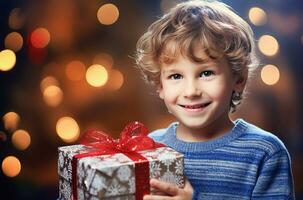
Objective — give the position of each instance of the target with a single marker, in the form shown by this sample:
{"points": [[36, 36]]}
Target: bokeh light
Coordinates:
{"points": [[105, 60], [108, 14], [21, 139], [67, 129], [52, 95], [48, 81], [270, 74], [7, 60], [16, 19], [75, 70], [116, 80], [11, 166], [40, 38], [96, 75], [268, 45], [11, 121], [257, 16], [13, 41]]}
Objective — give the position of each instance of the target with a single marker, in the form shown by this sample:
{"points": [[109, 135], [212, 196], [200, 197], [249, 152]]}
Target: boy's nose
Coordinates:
{"points": [[192, 89]]}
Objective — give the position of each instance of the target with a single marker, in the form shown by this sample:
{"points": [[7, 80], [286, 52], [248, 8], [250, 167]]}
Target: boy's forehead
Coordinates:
{"points": [[172, 51]]}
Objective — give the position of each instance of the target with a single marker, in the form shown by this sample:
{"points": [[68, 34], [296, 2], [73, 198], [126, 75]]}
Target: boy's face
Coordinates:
{"points": [[198, 94]]}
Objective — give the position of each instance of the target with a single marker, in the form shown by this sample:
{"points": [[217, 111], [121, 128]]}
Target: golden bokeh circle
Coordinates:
{"points": [[108, 14], [21, 139], [97, 75], [11, 121], [52, 95], [13, 41], [268, 45], [270, 74], [67, 129], [11, 166], [257, 16], [7, 60]]}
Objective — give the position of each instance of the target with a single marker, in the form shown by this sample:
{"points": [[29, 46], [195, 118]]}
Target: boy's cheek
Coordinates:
{"points": [[169, 98]]}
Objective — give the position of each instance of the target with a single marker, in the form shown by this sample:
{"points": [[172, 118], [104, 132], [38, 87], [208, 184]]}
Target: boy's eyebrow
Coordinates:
{"points": [[206, 61], [205, 65], [169, 70]]}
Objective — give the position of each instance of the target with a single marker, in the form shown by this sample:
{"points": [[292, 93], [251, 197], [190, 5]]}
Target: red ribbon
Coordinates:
{"points": [[132, 139]]}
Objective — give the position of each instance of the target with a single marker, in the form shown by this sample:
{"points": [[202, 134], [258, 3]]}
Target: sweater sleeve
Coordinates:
{"points": [[275, 178]]}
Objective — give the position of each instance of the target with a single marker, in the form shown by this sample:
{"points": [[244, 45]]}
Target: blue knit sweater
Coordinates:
{"points": [[245, 163]]}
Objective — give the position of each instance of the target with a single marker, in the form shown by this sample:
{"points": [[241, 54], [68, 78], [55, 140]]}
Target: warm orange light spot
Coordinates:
{"points": [[96, 75], [11, 121], [16, 19], [21, 139], [75, 70], [105, 60], [53, 95], [108, 14], [116, 80], [257, 16], [40, 38], [13, 41], [7, 60], [270, 74], [48, 81], [268, 45], [67, 129], [11, 166]]}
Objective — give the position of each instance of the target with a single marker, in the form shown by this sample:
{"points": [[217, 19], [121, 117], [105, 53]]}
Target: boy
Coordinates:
{"points": [[199, 56]]}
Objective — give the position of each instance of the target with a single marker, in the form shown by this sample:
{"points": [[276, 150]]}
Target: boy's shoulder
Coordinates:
{"points": [[257, 137], [250, 137]]}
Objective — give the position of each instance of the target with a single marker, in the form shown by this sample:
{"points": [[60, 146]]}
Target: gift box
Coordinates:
{"points": [[90, 172]]}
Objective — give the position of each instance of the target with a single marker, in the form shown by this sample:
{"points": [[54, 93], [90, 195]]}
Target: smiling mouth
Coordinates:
{"points": [[196, 106]]}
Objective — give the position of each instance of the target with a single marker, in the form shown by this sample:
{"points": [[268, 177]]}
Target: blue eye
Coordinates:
{"points": [[175, 76], [206, 73]]}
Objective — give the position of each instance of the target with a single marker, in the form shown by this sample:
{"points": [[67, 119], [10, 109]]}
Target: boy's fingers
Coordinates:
{"points": [[164, 187], [156, 197]]}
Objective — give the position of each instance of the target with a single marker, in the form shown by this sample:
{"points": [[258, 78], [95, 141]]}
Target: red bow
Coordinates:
{"points": [[132, 138]]}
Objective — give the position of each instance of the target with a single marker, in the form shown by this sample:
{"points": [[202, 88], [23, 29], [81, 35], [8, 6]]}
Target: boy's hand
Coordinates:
{"points": [[170, 191]]}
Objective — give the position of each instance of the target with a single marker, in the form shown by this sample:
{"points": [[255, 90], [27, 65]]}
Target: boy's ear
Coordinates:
{"points": [[240, 82]]}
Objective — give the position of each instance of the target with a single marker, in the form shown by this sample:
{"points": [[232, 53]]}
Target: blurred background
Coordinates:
{"points": [[67, 66]]}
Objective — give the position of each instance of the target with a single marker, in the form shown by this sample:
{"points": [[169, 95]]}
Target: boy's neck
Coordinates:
{"points": [[209, 132]]}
